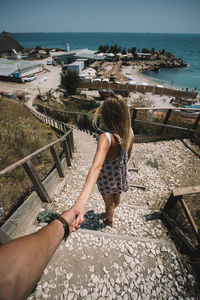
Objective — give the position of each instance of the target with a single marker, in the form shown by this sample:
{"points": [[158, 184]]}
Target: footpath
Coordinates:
{"points": [[134, 260]]}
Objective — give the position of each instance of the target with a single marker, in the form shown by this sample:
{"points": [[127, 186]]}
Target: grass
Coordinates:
{"points": [[20, 135], [153, 164]]}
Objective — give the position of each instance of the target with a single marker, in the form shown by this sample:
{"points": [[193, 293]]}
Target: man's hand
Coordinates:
{"points": [[71, 215]]}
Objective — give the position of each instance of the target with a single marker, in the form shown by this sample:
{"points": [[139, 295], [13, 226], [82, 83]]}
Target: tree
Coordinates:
{"points": [[101, 48], [133, 50], [162, 52], [124, 51], [145, 50], [70, 81]]}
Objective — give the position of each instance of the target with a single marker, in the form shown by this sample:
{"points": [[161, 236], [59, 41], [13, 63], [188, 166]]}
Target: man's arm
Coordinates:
{"points": [[23, 260]]}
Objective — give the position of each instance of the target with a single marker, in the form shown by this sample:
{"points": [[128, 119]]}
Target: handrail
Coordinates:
{"points": [[30, 156], [186, 132], [68, 148], [176, 196]]}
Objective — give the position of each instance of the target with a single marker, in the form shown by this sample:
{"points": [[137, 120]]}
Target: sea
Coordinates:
{"points": [[185, 46]]}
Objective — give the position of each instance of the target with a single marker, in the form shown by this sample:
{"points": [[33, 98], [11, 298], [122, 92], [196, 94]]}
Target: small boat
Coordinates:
{"points": [[192, 106]]}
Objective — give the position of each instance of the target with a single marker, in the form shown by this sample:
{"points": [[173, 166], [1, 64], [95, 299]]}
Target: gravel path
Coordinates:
{"points": [[135, 259]]}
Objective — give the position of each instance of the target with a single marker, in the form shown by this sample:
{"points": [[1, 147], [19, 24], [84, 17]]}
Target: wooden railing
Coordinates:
{"points": [[67, 144], [191, 246], [180, 131], [187, 131], [68, 147]]}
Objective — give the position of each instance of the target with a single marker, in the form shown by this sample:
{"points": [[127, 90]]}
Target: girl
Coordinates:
{"points": [[109, 168]]}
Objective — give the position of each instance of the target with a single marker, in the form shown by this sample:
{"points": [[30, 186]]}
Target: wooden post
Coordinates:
{"points": [[182, 237], [171, 202], [70, 145], [67, 153], [33, 175], [166, 120], [196, 122], [190, 218], [72, 140], [57, 161], [4, 238], [134, 115]]}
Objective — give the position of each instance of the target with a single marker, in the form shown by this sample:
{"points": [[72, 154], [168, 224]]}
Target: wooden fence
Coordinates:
{"points": [[139, 88], [190, 241], [141, 115], [187, 131], [67, 143]]}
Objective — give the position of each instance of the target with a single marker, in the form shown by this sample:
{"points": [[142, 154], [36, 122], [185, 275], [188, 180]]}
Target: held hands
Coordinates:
{"points": [[80, 218], [72, 216]]}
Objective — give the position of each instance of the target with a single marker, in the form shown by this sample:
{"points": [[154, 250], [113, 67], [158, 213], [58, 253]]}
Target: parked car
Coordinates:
{"points": [[30, 78], [132, 82], [49, 62]]}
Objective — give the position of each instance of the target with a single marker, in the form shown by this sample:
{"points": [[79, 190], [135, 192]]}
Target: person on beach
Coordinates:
{"points": [[109, 168]]}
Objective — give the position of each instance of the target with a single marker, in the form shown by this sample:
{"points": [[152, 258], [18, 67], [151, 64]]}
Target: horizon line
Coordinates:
{"points": [[104, 32]]}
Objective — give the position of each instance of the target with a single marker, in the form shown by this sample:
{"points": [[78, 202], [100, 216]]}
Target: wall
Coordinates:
{"points": [[139, 88]]}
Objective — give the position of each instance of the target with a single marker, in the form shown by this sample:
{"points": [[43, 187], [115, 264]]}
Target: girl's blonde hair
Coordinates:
{"points": [[115, 115]]}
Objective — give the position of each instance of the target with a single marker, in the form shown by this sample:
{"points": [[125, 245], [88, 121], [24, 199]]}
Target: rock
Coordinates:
{"points": [[94, 278], [117, 288], [94, 296], [91, 268], [128, 259], [70, 296], [104, 290], [69, 276], [84, 293], [134, 296]]}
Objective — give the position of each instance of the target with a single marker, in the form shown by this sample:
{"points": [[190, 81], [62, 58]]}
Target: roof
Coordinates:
{"points": [[76, 63], [8, 67], [85, 53], [7, 43], [79, 53]]}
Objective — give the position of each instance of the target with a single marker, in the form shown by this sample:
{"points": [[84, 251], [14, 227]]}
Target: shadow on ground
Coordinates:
{"points": [[93, 221]]}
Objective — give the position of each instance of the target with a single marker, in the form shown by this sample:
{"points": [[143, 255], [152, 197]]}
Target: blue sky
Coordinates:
{"points": [[174, 16]]}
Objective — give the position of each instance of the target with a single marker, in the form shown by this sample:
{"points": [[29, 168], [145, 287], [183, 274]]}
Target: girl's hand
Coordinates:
{"points": [[80, 218], [70, 216]]}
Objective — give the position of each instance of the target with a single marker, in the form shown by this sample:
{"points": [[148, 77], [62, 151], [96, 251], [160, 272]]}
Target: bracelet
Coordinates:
{"points": [[65, 225]]}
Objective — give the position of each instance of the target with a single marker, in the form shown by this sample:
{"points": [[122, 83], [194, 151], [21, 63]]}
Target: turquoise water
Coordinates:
{"points": [[185, 46]]}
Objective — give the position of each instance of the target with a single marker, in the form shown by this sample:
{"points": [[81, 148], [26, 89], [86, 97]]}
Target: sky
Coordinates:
{"points": [[155, 16]]}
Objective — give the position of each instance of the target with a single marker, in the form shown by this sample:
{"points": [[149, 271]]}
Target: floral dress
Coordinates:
{"points": [[113, 177]]}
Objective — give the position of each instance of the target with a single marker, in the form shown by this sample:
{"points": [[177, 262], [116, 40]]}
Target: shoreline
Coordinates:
{"points": [[137, 75]]}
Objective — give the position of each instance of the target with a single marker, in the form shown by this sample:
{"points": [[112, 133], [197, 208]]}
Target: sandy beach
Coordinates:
{"points": [[50, 79]]}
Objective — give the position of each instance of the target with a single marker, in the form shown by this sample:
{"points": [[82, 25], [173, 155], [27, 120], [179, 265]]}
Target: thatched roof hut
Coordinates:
{"points": [[7, 43]]}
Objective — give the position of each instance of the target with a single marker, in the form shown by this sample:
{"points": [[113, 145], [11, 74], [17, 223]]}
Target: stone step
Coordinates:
{"points": [[91, 265], [133, 260], [128, 219]]}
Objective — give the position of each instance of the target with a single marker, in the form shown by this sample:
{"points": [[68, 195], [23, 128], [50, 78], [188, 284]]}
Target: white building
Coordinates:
{"points": [[10, 69], [76, 66]]}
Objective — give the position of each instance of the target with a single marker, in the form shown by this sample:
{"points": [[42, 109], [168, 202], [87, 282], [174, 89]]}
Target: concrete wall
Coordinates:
{"points": [[76, 67], [31, 70]]}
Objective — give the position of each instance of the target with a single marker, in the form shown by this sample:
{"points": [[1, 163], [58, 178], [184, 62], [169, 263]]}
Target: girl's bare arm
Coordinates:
{"points": [[131, 144], [92, 177]]}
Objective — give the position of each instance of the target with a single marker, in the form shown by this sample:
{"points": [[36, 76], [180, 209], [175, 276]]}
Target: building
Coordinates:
{"points": [[76, 66], [15, 70], [7, 44], [71, 56], [144, 55]]}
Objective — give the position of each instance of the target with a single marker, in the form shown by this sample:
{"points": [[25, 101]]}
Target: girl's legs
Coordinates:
{"points": [[110, 204]]}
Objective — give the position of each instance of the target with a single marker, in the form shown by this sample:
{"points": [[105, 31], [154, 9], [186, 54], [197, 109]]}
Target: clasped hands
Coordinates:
{"points": [[74, 216]]}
